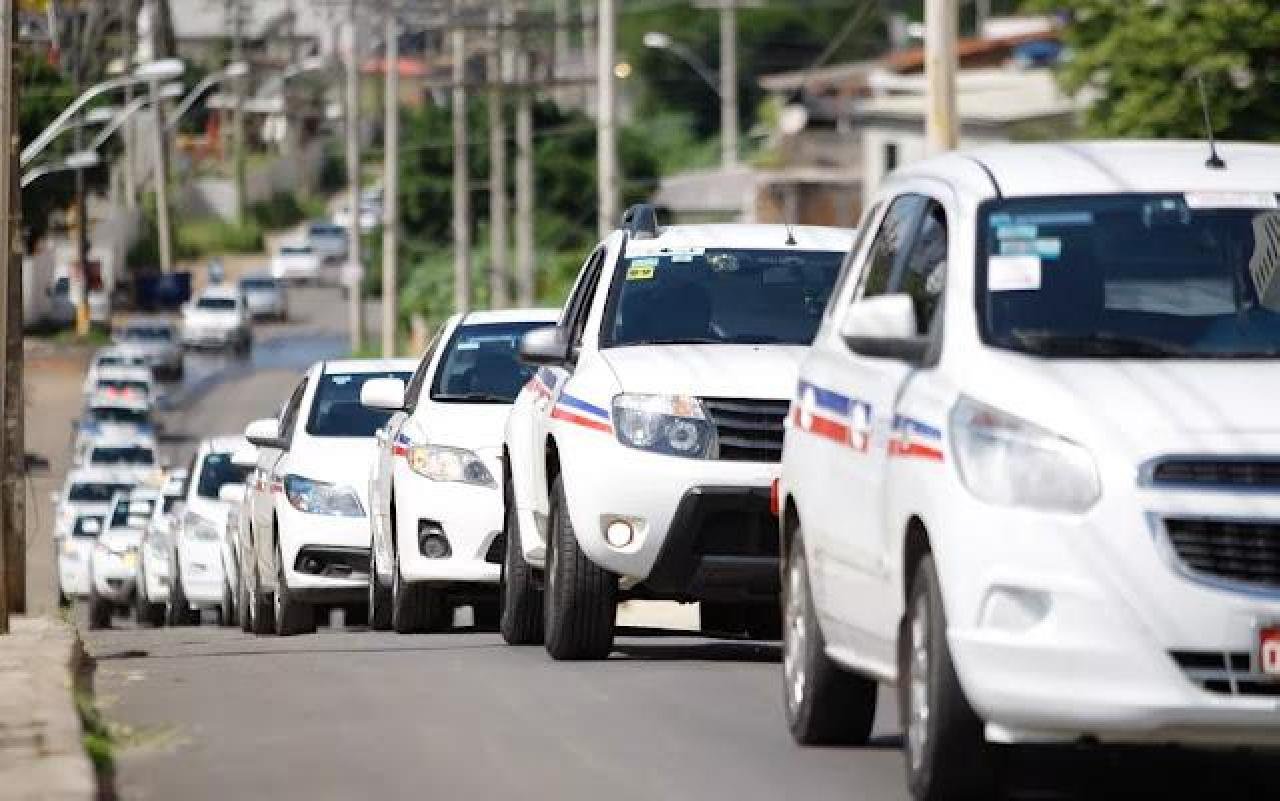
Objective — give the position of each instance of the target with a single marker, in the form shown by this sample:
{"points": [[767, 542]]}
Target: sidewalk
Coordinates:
{"points": [[41, 755]]}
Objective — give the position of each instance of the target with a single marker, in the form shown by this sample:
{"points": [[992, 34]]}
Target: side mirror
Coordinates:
{"points": [[547, 346], [386, 394], [884, 327], [265, 433], [232, 493], [245, 457]]}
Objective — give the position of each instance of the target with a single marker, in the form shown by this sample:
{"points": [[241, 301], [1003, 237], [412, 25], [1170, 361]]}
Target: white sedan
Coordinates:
{"points": [[435, 495], [300, 263], [309, 496], [219, 318]]}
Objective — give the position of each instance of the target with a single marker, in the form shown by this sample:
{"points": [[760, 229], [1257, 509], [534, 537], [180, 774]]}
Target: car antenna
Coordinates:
{"points": [[1214, 162]]}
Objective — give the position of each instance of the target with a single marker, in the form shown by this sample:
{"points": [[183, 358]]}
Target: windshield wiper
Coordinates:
{"points": [[1099, 343], [471, 397]]}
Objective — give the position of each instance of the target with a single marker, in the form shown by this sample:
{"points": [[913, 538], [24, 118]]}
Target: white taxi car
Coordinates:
{"points": [[642, 452], [1031, 475], [219, 318], [434, 498], [74, 550], [123, 381], [309, 496], [113, 565], [155, 556], [200, 577]]}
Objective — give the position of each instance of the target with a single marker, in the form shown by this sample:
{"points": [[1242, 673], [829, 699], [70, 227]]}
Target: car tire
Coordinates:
{"points": [[227, 611], [581, 601], [261, 608], [947, 757], [355, 616], [824, 704], [379, 597], [178, 611], [244, 605], [485, 615], [520, 598], [99, 610], [292, 616], [417, 608]]}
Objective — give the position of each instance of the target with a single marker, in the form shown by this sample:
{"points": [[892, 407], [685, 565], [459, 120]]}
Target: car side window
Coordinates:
{"points": [[890, 245], [578, 323], [414, 388], [924, 274], [579, 293], [290, 415], [849, 270]]}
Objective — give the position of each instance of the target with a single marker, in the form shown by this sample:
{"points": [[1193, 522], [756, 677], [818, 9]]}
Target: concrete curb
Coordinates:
{"points": [[41, 752]]}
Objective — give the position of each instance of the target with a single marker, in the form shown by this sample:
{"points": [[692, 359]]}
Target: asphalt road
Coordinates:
{"points": [[214, 714]]}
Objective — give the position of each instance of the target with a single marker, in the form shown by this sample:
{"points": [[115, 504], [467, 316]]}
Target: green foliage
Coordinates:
{"points": [[333, 169], [206, 237], [284, 209], [1143, 57], [45, 92], [97, 739]]}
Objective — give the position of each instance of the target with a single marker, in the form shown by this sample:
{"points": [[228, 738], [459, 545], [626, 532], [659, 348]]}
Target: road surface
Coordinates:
{"points": [[210, 714]]}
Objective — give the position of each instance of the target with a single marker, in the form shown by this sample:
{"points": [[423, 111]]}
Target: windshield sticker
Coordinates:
{"points": [[686, 256], [468, 346], [651, 261], [1041, 219], [340, 380], [1004, 232], [639, 272], [1044, 247], [1013, 273], [1232, 200]]}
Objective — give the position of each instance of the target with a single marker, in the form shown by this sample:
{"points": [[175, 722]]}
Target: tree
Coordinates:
{"points": [[1142, 59]]}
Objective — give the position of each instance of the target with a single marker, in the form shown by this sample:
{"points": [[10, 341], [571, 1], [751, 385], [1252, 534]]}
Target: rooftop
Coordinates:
{"points": [[743, 237]]}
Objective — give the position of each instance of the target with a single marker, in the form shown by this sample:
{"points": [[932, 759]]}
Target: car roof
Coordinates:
{"points": [[370, 366], [225, 444], [510, 316], [1103, 167], [745, 236], [95, 475], [119, 352], [220, 292]]}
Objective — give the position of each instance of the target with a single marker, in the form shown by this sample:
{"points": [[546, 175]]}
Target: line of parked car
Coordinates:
{"points": [[1008, 449]]}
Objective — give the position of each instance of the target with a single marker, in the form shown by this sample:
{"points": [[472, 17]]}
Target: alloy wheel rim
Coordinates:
{"points": [[796, 635], [918, 693]]}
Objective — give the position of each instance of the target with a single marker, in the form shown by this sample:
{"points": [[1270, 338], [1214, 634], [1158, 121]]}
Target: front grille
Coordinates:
{"points": [[1248, 553], [748, 430], [1219, 473], [1226, 673]]}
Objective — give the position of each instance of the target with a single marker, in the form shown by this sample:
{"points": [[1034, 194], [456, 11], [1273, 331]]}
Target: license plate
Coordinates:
{"points": [[1269, 650]]}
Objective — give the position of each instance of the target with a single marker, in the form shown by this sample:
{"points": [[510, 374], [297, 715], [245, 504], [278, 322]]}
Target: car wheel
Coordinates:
{"points": [[355, 616], [519, 597], [825, 705], [261, 609], [292, 616], [485, 615], [417, 607], [227, 611], [178, 611], [244, 606], [99, 609], [946, 753], [379, 596], [581, 597]]}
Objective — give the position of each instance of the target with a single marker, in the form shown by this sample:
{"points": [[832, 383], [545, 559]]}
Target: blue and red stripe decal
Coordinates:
{"points": [[400, 445], [581, 413], [915, 439], [832, 416]]}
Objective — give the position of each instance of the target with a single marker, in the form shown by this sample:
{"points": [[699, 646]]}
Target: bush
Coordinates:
{"points": [[213, 237]]}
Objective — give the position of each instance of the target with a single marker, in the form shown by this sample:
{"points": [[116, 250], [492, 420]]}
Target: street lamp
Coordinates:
{"points": [[657, 40], [236, 69], [722, 83], [168, 91], [80, 160], [153, 71]]}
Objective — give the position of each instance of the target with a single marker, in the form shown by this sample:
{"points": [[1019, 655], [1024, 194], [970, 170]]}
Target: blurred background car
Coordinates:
{"points": [[328, 241], [108, 358], [296, 263], [74, 551], [113, 566], [156, 341], [265, 296], [109, 415], [219, 318], [154, 568]]}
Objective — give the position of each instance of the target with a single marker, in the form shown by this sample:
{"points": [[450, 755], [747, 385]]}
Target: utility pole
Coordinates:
{"points": [[162, 181], [729, 83], [355, 268], [391, 184], [130, 48], [560, 45], [589, 47], [499, 58], [606, 118], [236, 9], [13, 566], [942, 28], [525, 280], [461, 176]]}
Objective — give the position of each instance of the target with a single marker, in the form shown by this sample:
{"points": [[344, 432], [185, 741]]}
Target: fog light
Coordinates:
{"points": [[1014, 608], [432, 543], [619, 534], [311, 565]]}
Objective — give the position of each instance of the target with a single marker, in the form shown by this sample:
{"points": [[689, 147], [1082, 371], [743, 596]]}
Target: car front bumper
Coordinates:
{"points": [[339, 547], [114, 576], [468, 516]]}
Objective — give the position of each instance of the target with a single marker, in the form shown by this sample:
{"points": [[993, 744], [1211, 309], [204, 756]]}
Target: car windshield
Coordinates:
{"points": [[171, 502], [216, 471], [148, 333], [122, 385], [295, 251], [1193, 275], [126, 510], [336, 410], [120, 361], [332, 231], [481, 364], [123, 454], [217, 304], [88, 527], [720, 297], [95, 491], [258, 284], [118, 414]]}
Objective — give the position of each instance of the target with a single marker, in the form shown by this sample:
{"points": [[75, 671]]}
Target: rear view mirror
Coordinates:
{"points": [[232, 493], [884, 327], [545, 347], [265, 433], [386, 394]]}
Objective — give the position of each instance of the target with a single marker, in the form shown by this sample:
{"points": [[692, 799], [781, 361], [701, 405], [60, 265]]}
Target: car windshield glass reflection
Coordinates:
{"points": [[749, 297], [337, 411], [481, 364], [125, 511], [217, 471], [1132, 276], [87, 527], [216, 304], [123, 455], [95, 492]]}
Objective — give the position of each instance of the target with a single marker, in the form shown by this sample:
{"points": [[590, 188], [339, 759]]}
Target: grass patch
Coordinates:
{"points": [[213, 237], [97, 337], [98, 741]]}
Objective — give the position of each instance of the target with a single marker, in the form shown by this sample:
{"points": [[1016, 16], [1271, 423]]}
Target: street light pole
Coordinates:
{"points": [[606, 118], [461, 173], [498, 207], [942, 28], [355, 271], [163, 230], [391, 185], [729, 84], [13, 549]]}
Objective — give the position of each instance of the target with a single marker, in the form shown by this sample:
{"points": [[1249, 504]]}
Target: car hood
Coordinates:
{"points": [[1139, 406], [337, 460], [474, 426], [118, 538], [208, 318], [765, 372]]}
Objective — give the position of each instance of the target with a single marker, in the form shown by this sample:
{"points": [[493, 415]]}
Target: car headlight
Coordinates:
{"points": [[115, 550], [1006, 460], [199, 528], [322, 498], [442, 463], [675, 425]]}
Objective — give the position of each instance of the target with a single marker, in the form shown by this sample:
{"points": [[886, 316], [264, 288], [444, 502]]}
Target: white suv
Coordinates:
{"points": [[642, 452], [309, 494], [434, 498], [1031, 475]]}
